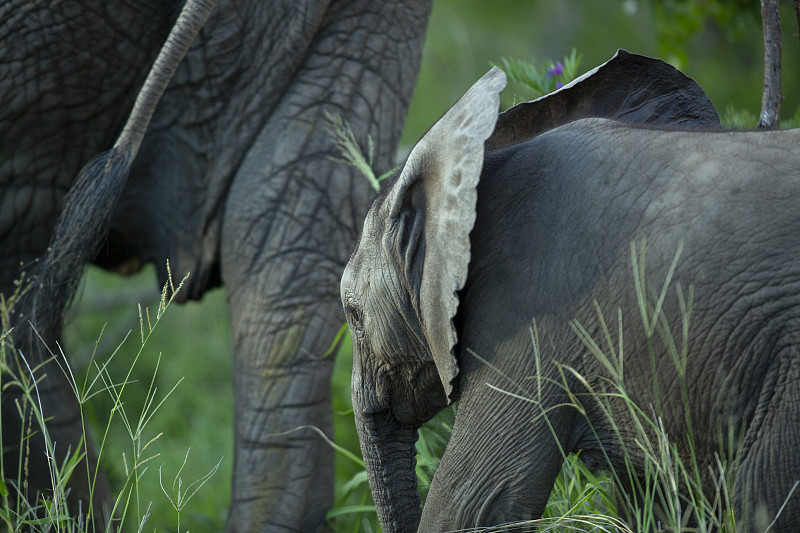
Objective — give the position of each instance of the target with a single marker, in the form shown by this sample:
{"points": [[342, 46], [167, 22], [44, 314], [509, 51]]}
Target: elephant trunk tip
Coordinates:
{"points": [[389, 450]]}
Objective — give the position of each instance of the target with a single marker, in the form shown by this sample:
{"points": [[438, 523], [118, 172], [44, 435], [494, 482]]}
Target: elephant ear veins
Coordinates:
{"points": [[446, 163]]}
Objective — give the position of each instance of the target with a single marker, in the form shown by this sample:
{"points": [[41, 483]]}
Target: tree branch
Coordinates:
{"points": [[771, 97], [797, 12]]}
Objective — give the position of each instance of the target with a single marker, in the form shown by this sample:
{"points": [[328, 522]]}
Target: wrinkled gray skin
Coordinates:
{"points": [[555, 212], [235, 183]]}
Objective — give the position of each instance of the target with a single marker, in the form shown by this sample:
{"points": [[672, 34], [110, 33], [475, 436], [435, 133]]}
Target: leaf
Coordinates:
{"points": [[349, 509]]}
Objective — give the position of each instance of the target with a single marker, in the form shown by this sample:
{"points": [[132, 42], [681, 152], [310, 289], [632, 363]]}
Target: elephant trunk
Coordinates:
{"points": [[389, 454]]}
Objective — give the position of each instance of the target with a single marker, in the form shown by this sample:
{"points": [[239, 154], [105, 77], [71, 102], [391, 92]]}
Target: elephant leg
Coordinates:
{"points": [[283, 471], [291, 217], [770, 455], [500, 463], [283, 252], [288, 229]]}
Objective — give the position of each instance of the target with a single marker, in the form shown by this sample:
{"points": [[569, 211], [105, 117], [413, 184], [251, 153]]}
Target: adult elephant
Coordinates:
{"points": [[477, 242], [236, 181]]}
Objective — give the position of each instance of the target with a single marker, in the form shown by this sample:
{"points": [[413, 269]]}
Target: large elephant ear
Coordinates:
{"points": [[629, 87], [434, 200]]}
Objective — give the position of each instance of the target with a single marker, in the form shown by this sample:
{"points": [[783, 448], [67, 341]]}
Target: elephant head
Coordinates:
{"points": [[402, 287], [400, 316]]}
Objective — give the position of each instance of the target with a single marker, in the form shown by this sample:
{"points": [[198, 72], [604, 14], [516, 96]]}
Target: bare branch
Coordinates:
{"points": [[771, 97], [797, 13]]}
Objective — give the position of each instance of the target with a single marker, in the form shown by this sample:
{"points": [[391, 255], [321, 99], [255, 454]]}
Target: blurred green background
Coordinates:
{"points": [[716, 43]]}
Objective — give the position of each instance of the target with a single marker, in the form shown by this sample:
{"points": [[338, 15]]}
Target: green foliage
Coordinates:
{"points": [[742, 119], [580, 492], [179, 496], [738, 119], [538, 80], [351, 153], [433, 437], [792, 122], [678, 21], [717, 43]]}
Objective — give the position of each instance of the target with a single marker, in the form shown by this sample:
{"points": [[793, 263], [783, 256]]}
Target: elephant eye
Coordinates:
{"points": [[355, 317]]}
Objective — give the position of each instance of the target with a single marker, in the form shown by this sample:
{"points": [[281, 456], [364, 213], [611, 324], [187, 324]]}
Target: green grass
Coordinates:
{"points": [[190, 352], [119, 385]]}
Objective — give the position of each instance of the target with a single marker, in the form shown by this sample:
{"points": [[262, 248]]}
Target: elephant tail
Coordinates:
{"points": [[46, 290], [89, 205], [82, 225]]}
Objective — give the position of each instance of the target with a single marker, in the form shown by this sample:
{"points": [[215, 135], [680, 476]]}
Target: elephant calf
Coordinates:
{"points": [[495, 224]]}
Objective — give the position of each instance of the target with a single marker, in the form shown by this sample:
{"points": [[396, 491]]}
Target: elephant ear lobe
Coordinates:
{"points": [[438, 189], [629, 88]]}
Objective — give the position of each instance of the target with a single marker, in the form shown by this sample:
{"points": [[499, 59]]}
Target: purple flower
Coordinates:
{"points": [[556, 70], [559, 85]]}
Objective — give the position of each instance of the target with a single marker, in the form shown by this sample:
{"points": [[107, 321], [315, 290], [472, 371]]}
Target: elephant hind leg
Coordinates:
{"points": [[770, 454]]}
